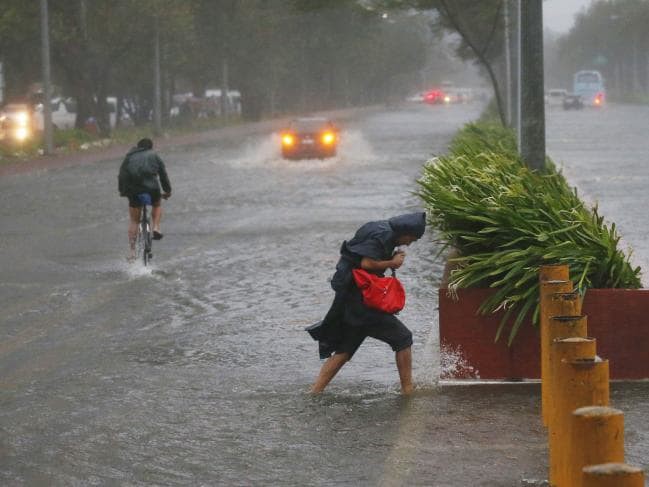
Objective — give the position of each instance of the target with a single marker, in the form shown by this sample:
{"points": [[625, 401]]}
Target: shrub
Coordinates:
{"points": [[507, 220]]}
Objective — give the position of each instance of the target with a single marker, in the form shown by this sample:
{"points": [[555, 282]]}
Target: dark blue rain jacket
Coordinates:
{"points": [[376, 240]]}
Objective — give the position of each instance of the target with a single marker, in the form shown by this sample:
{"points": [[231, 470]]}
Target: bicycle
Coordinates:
{"points": [[144, 241]]}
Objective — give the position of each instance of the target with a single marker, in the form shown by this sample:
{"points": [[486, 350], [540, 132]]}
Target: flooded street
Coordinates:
{"points": [[194, 371]]}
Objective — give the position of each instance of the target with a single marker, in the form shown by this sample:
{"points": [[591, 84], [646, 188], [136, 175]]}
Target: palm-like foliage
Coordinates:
{"points": [[507, 221]]}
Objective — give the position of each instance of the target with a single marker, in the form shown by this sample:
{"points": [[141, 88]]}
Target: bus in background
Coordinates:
{"points": [[590, 86]]}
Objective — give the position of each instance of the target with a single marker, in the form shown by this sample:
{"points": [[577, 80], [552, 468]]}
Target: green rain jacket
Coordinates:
{"points": [[140, 171]]}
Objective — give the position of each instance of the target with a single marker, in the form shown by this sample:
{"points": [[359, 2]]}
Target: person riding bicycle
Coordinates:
{"points": [[138, 174]]}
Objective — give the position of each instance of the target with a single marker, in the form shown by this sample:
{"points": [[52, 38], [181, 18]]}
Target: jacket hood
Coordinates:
{"points": [[409, 224], [136, 149]]}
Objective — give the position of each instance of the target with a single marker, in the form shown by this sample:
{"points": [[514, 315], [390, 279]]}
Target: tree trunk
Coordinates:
{"points": [[481, 58]]}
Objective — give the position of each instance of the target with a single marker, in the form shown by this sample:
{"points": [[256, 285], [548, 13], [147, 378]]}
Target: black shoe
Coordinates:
{"points": [[157, 235]]}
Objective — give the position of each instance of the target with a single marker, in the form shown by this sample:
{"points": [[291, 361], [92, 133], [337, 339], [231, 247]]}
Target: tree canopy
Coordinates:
{"points": [[283, 56]]}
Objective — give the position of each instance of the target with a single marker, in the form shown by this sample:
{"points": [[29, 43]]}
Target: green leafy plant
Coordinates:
{"points": [[506, 221]]}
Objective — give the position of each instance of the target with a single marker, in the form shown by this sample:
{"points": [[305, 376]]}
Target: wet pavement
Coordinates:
{"points": [[195, 371]]}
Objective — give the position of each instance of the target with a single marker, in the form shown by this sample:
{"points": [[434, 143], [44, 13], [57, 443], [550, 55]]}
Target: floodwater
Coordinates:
{"points": [[194, 371]]}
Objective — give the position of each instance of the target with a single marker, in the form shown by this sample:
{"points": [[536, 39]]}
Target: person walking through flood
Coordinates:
{"points": [[374, 248]]}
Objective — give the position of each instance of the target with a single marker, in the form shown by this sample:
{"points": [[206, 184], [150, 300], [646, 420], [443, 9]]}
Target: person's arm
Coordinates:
{"points": [[382, 265], [164, 179]]}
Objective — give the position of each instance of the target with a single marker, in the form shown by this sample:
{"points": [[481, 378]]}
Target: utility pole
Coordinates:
{"points": [[508, 66], [2, 86], [516, 69], [225, 90], [532, 129], [512, 49], [157, 92], [48, 146]]}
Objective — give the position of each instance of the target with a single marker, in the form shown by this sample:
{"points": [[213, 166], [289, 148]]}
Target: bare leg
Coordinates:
{"points": [[134, 221], [156, 215], [404, 364], [329, 369]]}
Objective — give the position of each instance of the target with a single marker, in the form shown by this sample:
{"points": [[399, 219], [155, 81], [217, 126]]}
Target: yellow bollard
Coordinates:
{"points": [[554, 272], [596, 436], [564, 304], [563, 349], [613, 475], [582, 382], [562, 327], [547, 290]]}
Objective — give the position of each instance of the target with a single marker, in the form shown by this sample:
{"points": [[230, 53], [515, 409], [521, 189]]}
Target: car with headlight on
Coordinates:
{"points": [[308, 138], [16, 124]]}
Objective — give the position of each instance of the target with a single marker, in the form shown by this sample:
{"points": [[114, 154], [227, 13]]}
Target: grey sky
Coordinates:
{"points": [[559, 15]]}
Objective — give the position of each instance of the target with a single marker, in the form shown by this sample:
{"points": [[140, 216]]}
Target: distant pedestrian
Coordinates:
{"points": [[349, 320], [139, 174]]}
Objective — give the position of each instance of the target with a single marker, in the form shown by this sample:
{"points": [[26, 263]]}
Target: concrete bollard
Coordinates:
{"points": [[613, 475], [547, 290], [596, 436], [563, 349], [582, 382]]}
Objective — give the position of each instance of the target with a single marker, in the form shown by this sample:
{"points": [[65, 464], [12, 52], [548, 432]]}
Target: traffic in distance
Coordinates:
{"points": [[447, 94], [588, 90], [22, 120]]}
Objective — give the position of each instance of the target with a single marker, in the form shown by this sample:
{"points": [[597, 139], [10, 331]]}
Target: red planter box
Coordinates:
{"points": [[617, 318]]}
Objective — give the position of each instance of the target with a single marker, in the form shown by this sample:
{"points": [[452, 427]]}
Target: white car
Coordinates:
{"points": [[554, 98], [416, 98], [63, 114]]}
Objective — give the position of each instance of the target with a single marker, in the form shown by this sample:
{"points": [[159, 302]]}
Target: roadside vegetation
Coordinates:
{"points": [[283, 57], [72, 140], [506, 220]]}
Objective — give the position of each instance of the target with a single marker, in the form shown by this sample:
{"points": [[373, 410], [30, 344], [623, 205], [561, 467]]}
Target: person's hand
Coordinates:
{"points": [[397, 260], [166, 196]]}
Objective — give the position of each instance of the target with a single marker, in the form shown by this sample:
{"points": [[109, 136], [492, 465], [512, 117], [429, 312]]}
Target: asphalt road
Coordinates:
{"points": [[195, 371]]}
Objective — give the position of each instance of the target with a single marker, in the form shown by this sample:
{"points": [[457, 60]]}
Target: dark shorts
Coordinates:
{"points": [[360, 322], [392, 332], [134, 202]]}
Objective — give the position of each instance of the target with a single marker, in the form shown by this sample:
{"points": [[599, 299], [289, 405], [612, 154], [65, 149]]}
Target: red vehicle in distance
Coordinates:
{"points": [[434, 97]]}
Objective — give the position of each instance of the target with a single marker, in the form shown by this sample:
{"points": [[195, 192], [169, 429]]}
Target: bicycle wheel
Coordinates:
{"points": [[139, 242], [147, 242]]}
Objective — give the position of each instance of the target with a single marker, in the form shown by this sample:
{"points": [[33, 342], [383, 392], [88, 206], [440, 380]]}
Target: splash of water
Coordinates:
{"points": [[137, 269], [427, 375], [453, 364], [353, 147]]}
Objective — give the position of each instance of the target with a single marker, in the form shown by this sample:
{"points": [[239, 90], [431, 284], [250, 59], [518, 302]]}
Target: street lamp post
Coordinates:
{"points": [[48, 146], [508, 65], [157, 92]]}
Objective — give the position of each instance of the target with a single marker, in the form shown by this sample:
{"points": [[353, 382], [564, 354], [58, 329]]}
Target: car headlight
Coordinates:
{"points": [[328, 138], [288, 140], [22, 119], [21, 134]]}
